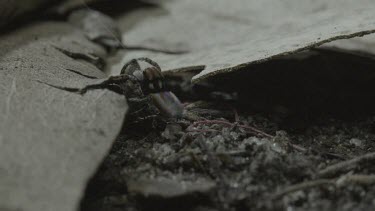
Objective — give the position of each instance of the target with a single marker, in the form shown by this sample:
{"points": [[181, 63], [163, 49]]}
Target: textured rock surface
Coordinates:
{"points": [[224, 36], [51, 140]]}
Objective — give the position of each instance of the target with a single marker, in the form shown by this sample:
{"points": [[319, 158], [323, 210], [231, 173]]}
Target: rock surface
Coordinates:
{"points": [[223, 36], [51, 140]]}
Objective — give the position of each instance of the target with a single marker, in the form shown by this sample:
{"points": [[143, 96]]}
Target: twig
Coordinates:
{"points": [[200, 131], [297, 147], [358, 179], [345, 165], [253, 130], [338, 156], [302, 186], [234, 153], [228, 124]]}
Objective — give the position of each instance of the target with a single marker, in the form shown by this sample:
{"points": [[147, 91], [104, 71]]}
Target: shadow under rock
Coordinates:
{"points": [[306, 86]]}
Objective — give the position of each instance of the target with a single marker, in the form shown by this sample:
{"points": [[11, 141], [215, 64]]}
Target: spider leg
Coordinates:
{"points": [[112, 80], [151, 62], [132, 64], [134, 113], [138, 100]]}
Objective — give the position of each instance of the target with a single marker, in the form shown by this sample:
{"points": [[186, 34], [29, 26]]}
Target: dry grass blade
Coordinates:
{"points": [[345, 165], [228, 124], [302, 186], [358, 179]]}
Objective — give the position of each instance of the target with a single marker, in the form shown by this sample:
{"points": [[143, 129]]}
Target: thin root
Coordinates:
{"points": [[252, 130], [302, 186], [343, 181], [359, 179], [345, 165]]}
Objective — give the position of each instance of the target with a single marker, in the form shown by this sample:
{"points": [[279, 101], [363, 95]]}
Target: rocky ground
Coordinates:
{"points": [[234, 157], [280, 115]]}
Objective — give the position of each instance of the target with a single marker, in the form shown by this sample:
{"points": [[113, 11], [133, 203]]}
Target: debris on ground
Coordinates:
{"points": [[257, 159], [271, 116]]}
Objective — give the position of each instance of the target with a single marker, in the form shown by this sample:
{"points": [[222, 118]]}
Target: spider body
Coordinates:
{"points": [[142, 85], [150, 78], [149, 83], [152, 85]]}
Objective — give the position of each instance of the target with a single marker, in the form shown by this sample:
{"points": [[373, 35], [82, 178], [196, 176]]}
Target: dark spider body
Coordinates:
{"points": [[142, 86], [150, 78]]}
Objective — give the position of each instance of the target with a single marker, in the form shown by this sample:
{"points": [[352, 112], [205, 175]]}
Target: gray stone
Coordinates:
{"points": [[51, 140], [223, 36]]}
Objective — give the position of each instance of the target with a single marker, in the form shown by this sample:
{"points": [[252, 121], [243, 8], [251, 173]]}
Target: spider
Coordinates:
{"points": [[141, 86]]}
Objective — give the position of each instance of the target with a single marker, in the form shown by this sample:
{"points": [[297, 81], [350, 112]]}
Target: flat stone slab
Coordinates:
{"points": [[51, 140], [223, 36]]}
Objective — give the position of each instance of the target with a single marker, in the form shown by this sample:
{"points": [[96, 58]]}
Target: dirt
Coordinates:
{"points": [[263, 149], [292, 133]]}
